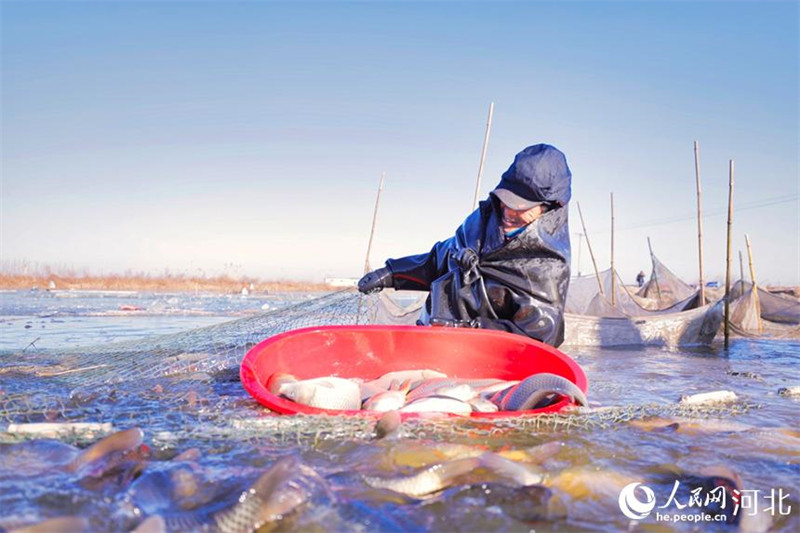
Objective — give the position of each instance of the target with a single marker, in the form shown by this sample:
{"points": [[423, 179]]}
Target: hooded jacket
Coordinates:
{"points": [[478, 278]]}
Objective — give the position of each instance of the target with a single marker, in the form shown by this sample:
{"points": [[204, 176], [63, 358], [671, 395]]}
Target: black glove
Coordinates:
{"points": [[375, 281]]}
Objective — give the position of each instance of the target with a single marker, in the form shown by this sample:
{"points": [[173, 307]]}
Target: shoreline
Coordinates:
{"points": [[221, 284]]}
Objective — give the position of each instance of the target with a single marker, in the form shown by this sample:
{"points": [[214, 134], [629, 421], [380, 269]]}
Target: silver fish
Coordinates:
{"points": [[706, 398], [96, 459], [388, 425], [519, 473], [482, 405], [390, 400], [324, 393], [285, 487], [427, 481], [438, 404], [385, 381], [530, 391], [443, 387]]}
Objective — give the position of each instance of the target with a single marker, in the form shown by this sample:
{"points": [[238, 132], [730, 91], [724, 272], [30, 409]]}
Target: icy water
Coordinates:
{"points": [[208, 443]]}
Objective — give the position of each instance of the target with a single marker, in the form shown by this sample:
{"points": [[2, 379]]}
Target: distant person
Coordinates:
{"points": [[640, 278], [507, 266]]}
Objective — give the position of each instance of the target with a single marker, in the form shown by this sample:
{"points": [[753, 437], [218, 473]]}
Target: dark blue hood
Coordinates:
{"points": [[539, 173]]}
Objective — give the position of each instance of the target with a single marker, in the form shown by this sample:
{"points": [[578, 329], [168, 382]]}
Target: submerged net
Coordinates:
{"points": [[185, 387], [137, 381]]}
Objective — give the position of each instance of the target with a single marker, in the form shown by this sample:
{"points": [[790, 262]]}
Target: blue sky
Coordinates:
{"points": [[249, 137]]}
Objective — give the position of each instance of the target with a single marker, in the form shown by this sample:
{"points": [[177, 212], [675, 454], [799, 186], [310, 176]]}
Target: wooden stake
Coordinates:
{"points": [[589, 246], [655, 273], [374, 220], [483, 156], [741, 270], [728, 256], [753, 280], [613, 272], [699, 223]]}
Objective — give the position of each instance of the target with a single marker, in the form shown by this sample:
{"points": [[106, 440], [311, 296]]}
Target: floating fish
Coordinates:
{"points": [[789, 391], [706, 398], [520, 474], [388, 425], [439, 476], [532, 390], [280, 491], [526, 504], [324, 393], [106, 453], [427, 481]]}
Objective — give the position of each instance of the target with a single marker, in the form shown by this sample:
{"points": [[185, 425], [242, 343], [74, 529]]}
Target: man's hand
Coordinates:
{"points": [[375, 281]]}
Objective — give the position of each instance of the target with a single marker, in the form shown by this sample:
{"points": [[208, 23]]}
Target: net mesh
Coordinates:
{"points": [[185, 386]]}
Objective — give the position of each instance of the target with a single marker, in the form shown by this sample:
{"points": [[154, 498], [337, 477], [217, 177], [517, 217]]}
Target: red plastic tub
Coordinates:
{"points": [[368, 352]]}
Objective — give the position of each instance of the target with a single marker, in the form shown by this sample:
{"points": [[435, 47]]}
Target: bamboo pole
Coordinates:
{"points": [[728, 256], [580, 245], [699, 223], [753, 280], [374, 220], [483, 156], [613, 272], [741, 270], [589, 246], [655, 273]]}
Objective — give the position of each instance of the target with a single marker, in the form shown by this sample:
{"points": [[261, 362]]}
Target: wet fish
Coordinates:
{"points": [[482, 405], [388, 425], [535, 454], [441, 475], [527, 504], [706, 398], [443, 387], [586, 483], [532, 390], [438, 404], [385, 381], [789, 391], [277, 380], [427, 481], [281, 490], [104, 454], [324, 393], [389, 400], [490, 386], [520, 474]]}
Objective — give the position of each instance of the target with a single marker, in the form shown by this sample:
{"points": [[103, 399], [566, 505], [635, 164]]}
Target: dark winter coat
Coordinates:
{"points": [[477, 278]]}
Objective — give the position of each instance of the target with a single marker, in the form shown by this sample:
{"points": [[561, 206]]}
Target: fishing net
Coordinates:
{"points": [[665, 286], [783, 309], [748, 318], [185, 386], [139, 380]]}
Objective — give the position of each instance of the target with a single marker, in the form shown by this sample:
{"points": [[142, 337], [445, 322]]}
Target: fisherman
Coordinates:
{"points": [[507, 266], [640, 278]]}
